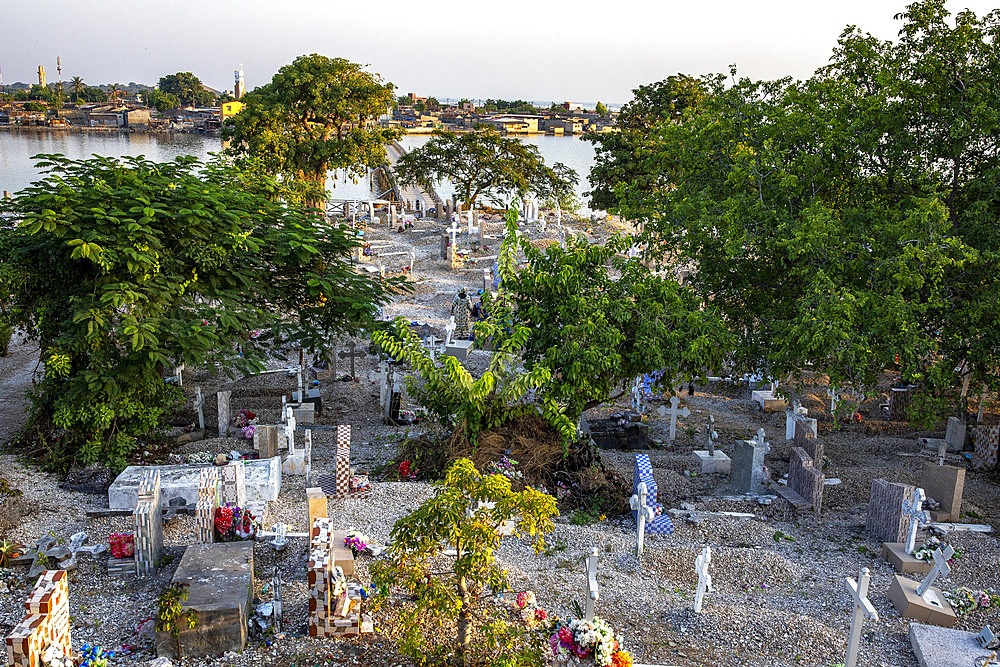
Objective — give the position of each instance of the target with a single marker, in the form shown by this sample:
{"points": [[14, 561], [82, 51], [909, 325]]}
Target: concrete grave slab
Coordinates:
{"points": [[715, 462], [944, 647], [768, 401], [902, 562], [931, 607], [944, 484], [220, 588], [263, 482], [459, 349]]}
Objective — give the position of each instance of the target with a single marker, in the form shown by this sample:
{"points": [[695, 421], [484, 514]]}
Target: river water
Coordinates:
{"points": [[17, 169]]}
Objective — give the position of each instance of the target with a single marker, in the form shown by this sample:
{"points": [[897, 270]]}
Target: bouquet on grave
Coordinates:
{"points": [[95, 656], [926, 552], [233, 523], [246, 421], [575, 640], [122, 545], [529, 611], [506, 467], [966, 600], [358, 542], [406, 470], [360, 483]]}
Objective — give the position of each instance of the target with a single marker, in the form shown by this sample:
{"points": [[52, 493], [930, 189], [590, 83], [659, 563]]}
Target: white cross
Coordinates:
{"points": [[941, 568], [199, 405], [449, 330], [302, 396], [180, 375], [759, 441], [276, 614], [382, 377], [704, 578], [454, 231], [918, 516], [862, 609], [593, 590], [637, 395], [711, 435], [644, 513], [673, 411], [280, 540], [284, 407], [308, 457], [290, 429], [834, 399], [431, 343]]}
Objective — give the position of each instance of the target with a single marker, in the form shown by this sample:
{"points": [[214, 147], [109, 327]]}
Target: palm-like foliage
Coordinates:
{"points": [[77, 85]]}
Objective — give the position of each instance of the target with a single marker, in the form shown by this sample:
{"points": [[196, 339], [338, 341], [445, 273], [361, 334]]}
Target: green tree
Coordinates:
{"points": [[77, 85], [124, 268], [316, 114], [842, 221], [115, 91], [162, 101], [599, 319], [186, 87], [433, 104], [465, 514], [485, 164], [600, 109], [621, 157]]}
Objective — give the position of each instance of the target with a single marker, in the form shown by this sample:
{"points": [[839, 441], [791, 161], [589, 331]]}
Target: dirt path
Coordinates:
{"points": [[16, 371]]}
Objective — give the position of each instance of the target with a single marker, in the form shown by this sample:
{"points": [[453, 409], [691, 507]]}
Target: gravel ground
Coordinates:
{"points": [[777, 603]]}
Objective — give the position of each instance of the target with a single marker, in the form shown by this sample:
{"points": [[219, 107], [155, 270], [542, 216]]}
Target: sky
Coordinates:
{"points": [[580, 51]]}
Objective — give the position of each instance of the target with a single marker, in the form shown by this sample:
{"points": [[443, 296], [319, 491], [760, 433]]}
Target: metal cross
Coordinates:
{"points": [[862, 609], [352, 354], [644, 513], [593, 590], [918, 516], [704, 578], [940, 569]]}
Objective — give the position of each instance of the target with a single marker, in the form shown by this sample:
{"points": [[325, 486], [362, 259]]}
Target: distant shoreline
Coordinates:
{"points": [[74, 129]]}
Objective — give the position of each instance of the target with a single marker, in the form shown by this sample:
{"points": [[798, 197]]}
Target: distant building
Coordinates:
{"points": [[41, 76], [573, 106], [227, 109], [564, 125], [514, 124], [240, 85]]}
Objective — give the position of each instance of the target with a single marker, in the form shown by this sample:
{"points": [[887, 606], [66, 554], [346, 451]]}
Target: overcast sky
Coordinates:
{"points": [[537, 50]]}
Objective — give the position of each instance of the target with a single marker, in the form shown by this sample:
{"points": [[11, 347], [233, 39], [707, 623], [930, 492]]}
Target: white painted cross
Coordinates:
{"points": [[280, 541], [290, 429], [298, 374], [277, 602], [199, 405], [673, 411], [791, 417], [759, 441], [862, 609], [918, 517], [431, 343], [940, 569], [308, 457], [284, 407], [449, 330], [454, 230], [180, 375], [382, 377], [644, 513], [593, 590], [711, 435], [704, 578], [834, 398]]}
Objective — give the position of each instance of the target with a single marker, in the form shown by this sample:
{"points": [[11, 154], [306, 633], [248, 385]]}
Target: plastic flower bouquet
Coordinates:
{"points": [[966, 600], [233, 524], [576, 640], [244, 418], [506, 467], [357, 541], [122, 545]]}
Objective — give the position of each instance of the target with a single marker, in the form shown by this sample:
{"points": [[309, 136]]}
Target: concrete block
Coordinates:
{"points": [[459, 349], [263, 482], [944, 484], [931, 608], [902, 562], [944, 647], [718, 462], [768, 401], [342, 556], [220, 588], [317, 504]]}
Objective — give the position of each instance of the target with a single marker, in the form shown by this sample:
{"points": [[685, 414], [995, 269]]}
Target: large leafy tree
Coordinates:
{"points": [[486, 164], [316, 114], [598, 319], [186, 87], [844, 220], [120, 269]]}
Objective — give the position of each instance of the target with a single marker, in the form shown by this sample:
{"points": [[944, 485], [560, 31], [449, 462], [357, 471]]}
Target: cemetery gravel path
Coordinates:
{"points": [[16, 372]]}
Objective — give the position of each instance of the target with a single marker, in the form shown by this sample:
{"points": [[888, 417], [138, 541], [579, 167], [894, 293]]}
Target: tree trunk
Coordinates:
{"points": [[464, 623]]}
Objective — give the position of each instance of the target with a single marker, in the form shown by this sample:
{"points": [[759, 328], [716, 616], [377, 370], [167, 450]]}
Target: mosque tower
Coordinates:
{"points": [[240, 86]]}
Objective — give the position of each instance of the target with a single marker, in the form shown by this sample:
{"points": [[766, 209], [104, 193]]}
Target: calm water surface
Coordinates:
{"points": [[17, 169]]}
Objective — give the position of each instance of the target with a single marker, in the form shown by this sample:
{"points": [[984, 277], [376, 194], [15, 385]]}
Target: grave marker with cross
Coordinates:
{"points": [[674, 411], [759, 441], [862, 609], [449, 330], [918, 517], [352, 355], [644, 513], [710, 435], [593, 590], [637, 404], [199, 405], [940, 569], [704, 578]]}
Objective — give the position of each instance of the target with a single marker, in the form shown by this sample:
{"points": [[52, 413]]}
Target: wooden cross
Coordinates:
{"points": [[593, 590], [352, 355], [199, 405], [704, 578], [918, 516], [940, 569], [710, 435], [673, 411], [862, 609], [644, 513]]}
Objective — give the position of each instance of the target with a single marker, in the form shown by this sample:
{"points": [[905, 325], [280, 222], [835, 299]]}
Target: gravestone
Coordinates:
{"points": [[935, 646], [643, 473], [805, 480], [199, 406], [885, 510], [768, 401], [923, 601], [711, 460], [954, 439], [593, 590], [704, 578], [351, 354], [790, 415], [219, 580], [148, 517], [986, 444], [313, 397], [899, 401], [945, 484], [224, 415], [232, 487], [45, 624], [748, 473], [208, 502], [263, 482], [317, 504], [265, 440], [862, 609], [673, 411], [644, 513], [459, 349], [620, 431], [808, 441]]}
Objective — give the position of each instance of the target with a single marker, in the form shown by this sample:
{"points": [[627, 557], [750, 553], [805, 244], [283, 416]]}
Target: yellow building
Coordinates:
{"points": [[227, 109]]}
